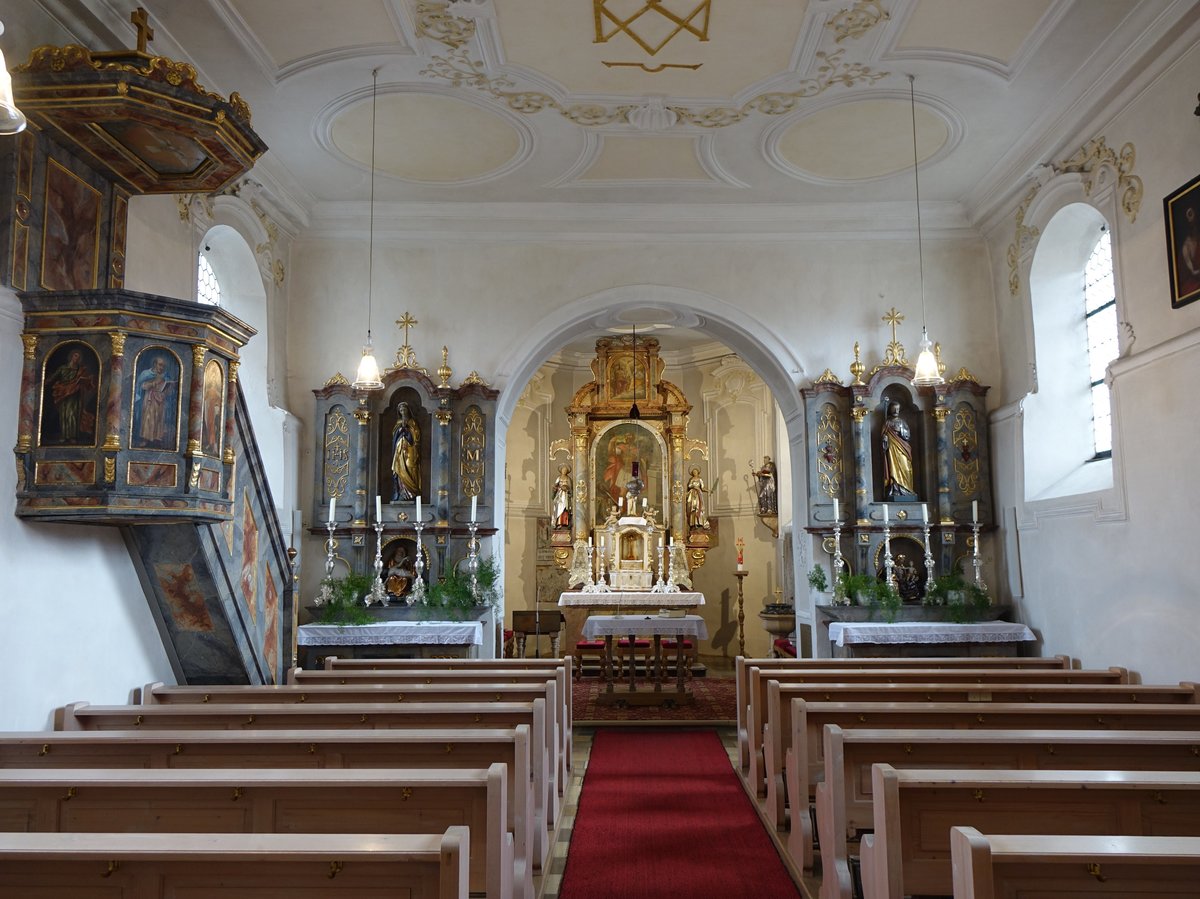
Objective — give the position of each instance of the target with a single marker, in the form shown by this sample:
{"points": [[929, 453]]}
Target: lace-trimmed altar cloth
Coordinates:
{"points": [[435, 633], [843, 633], [631, 600]]}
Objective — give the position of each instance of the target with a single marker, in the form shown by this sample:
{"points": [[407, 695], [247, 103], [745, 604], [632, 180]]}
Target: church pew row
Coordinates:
{"points": [[777, 732], [909, 851], [743, 664], [329, 716], [438, 691], [844, 798], [413, 675], [307, 749], [249, 801], [232, 866], [759, 681], [1143, 867]]}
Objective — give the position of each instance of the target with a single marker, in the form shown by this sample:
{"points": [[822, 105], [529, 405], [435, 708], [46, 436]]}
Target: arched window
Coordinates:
{"points": [[1100, 316], [208, 288]]}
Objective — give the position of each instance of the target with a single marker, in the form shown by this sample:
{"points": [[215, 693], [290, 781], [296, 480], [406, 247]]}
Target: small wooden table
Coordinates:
{"points": [[609, 626], [543, 621]]}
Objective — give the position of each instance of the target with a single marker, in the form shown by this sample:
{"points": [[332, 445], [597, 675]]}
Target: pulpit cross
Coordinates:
{"points": [[141, 21]]}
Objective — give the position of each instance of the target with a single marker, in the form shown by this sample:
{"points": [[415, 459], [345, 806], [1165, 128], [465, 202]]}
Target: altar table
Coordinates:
{"points": [[428, 637], [656, 626], [577, 604], [928, 638]]}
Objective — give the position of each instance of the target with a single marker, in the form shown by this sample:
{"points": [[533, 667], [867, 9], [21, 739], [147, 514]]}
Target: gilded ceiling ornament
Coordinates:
{"points": [[435, 20], [858, 19], [613, 22]]}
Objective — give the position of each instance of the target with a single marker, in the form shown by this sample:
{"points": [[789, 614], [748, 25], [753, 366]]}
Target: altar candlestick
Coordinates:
{"points": [[378, 508], [331, 501], [589, 541], [924, 513], [836, 511], [474, 506], [885, 512], [620, 503], [418, 508], [974, 511], [643, 504]]}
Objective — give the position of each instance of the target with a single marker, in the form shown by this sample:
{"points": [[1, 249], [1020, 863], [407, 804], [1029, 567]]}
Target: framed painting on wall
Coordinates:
{"points": [[1181, 212], [615, 452]]}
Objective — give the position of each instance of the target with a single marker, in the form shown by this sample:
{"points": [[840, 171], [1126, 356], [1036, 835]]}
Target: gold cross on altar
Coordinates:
{"points": [[141, 21], [406, 322], [893, 318]]}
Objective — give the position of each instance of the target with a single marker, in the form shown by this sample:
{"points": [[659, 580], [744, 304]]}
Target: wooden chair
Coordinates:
{"points": [[627, 652], [670, 653]]}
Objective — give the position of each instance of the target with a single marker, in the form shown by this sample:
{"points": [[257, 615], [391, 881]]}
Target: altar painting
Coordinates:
{"points": [[615, 452]]}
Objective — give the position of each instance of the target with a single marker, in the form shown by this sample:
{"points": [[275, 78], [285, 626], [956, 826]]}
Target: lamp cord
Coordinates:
{"points": [[912, 98], [371, 227]]}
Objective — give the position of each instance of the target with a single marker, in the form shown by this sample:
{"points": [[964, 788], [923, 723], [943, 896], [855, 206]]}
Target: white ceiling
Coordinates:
{"points": [[663, 102]]}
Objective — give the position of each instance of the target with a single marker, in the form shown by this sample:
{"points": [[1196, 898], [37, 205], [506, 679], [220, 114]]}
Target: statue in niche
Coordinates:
{"points": [[764, 482], [696, 503], [895, 442], [399, 574], [406, 455], [561, 504]]}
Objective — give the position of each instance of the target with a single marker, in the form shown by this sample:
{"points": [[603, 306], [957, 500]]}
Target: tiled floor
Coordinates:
{"points": [[547, 885]]}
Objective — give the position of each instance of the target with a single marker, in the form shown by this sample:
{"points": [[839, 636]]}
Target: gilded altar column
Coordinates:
{"points": [[112, 408], [361, 462], [231, 393], [858, 412], [584, 512]]}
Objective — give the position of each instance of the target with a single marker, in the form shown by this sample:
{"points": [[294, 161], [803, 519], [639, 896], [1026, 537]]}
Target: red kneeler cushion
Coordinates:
{"points": [[637, 644], [786, 646], [590, 644], [670, 644]]}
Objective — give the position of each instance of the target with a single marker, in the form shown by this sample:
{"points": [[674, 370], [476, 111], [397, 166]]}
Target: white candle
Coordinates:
{"points": [[643, 504], [589, 541], [378, 509], [330, 518], [474, 507], [837, 512], [668, 539], [620, 503], [974, 511], [418, 508], [925, 513], [885, 512]]}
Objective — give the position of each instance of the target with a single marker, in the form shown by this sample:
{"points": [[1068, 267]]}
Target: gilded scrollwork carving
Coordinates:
{"points": [[337, 452], [829, 451], [474, 443], [965, 440]]}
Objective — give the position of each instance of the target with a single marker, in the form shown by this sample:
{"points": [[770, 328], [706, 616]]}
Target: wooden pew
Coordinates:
{"points": [[248, 801], [396, 675], [759, 680], [310, 749], [328, 716], [844, 798], [742, 666], [777, 732], [909, 851], [990, 867], [228, 866], [160, 694]]}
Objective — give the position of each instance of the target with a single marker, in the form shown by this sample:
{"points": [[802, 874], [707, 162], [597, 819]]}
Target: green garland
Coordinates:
{"points": [[347, 606]]}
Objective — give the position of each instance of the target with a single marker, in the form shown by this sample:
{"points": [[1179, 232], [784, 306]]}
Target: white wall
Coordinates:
{"points": [[1110, 578]]}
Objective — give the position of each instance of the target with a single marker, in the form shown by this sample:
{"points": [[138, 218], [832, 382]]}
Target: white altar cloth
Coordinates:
{"points": [[631, 600], [390, 633], [843, 633], [623, 625]]}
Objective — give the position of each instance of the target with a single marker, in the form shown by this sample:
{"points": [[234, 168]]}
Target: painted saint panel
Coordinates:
{"points": [[155, 423], [70, 396], [617, 452], [213, 406]]}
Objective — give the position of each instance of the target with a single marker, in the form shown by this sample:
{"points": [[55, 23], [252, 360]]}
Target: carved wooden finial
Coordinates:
{"points": [[141, 21]]}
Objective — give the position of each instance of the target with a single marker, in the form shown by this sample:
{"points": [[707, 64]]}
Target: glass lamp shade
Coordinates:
{"points": [[368, 371], [926, 373], [12, 120]]}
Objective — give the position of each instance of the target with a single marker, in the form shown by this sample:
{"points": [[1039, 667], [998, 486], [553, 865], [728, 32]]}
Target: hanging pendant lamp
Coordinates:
{"points": [[926, 372], [12, 120], [368, 368], [634, 412]]}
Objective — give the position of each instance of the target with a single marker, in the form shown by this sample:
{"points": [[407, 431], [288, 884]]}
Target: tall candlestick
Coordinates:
{"points": [[378, 508], [418, 508], [474, 507], [331, 501]]}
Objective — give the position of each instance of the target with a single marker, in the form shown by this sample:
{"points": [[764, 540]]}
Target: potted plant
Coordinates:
{"points": [[453, 597], [345, 604], [962, 601], [868, 590], [818, 583]]}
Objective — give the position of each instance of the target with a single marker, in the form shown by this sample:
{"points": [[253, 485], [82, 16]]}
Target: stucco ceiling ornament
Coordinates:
{"points": [[858, 19]]}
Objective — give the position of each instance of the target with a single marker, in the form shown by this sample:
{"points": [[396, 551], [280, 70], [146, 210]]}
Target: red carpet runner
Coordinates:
{"points": [[663, 816]]}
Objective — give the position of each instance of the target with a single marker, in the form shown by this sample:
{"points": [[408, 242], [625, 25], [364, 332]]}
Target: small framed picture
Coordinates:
{"points": [[1181, 211]]}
